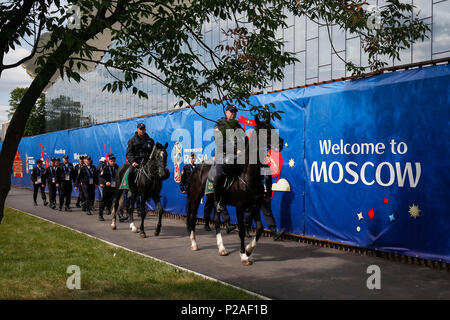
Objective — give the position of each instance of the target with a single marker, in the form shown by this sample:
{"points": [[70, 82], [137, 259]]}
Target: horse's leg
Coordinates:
{"points": [[220, 246], [160, 214], [142, 215], [117, 197], [192, 206], [222, 250], [240, 216], [130, 212], [259, 230]]}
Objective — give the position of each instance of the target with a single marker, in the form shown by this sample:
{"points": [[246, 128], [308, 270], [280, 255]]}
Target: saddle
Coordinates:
{"points": [[125, 183], [229, 179]]}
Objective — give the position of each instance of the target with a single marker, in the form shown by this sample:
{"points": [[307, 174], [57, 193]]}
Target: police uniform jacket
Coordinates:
{"points": [[108, 174], [67, 172], [52, 174], [220, 129], [86, 173], [38, 172], [139, 148], [186, 176]]}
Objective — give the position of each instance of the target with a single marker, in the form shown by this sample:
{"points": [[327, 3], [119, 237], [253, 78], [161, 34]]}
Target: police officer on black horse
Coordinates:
{"points": [[224, 163], [139, 149]]}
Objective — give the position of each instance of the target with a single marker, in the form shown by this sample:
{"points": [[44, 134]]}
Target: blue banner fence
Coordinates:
{"points": [[367, 161]]}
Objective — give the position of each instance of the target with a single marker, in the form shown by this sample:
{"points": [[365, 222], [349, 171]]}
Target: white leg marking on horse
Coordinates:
{"points": [[133, 227], [194, 245], [244, 257], [251, 246], [222, 250]]}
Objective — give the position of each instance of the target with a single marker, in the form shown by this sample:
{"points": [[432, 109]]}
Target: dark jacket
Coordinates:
{"points": [[52, 174], [139, 148], [67, 170], [36, 172], [220, 129], [85, 173], [186, 176], [108, 174]]}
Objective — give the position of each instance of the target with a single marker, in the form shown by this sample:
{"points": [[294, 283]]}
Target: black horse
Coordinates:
{"points": [[148, 184], [245, 192]]}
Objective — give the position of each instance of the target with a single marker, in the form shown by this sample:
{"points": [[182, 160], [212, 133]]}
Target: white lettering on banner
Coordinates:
{"points": [[335, 169], [384, 174], [357, 148]]}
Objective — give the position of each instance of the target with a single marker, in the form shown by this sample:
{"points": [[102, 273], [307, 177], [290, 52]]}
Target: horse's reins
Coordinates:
{"points": [[142, 168]]}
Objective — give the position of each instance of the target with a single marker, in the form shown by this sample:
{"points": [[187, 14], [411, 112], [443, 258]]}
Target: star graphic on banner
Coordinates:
{"points": [[414, 211], [360, 216], [386, 200], [286, 144], [358, 229], [291, 163], [371, 214], [391, 218]]}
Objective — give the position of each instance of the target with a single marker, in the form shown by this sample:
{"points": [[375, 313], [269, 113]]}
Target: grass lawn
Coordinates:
{"points": [[35, 254]]}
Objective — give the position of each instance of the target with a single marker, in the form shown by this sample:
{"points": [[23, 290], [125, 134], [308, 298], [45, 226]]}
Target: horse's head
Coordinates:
{"points": [[274, 141], [158, 158]]}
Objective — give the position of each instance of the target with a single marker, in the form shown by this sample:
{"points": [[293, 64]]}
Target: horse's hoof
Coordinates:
{"points": [[247, 262], [156, 233], [223, 253], [248, 253], [194, 248], [143, 235], [113, 227]]}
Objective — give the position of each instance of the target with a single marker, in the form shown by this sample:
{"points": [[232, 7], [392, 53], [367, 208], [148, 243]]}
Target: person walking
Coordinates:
{"points": [[66, 177], [38, 181], [107, 182]]}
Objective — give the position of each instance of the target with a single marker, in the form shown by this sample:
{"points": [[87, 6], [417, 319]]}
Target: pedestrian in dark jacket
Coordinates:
{"points": [[38, 181], [77, 168], [66, 177], [186, 174], [108, 184], [52, 179], [87, 180]]}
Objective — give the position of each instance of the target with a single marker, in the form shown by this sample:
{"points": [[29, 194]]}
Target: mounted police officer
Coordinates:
{"points": [[52, 178], [108, 184], [38, 180], [139, 149], [66, 177], [225, 162]]}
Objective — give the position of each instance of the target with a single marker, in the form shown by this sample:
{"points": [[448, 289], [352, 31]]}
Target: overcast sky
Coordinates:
{"points": [[12, 78]]}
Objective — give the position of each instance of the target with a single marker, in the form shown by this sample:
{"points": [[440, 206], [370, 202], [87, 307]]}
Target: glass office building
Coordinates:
{"points": [[71, 104]]}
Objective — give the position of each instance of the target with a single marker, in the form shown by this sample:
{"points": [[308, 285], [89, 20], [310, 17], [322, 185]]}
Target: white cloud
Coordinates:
{"points": [[4, 113], [13, 78]]}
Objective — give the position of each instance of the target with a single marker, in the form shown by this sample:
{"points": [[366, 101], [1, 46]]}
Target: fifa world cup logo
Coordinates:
{"points": [[177, 158]]}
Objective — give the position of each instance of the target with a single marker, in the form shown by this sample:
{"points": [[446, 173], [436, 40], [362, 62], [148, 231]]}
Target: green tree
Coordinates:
{"points": [[162, 39], [36, 122]]}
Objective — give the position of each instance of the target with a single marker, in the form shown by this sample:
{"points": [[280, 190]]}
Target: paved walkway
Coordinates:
{"points": [[281, 270]]}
